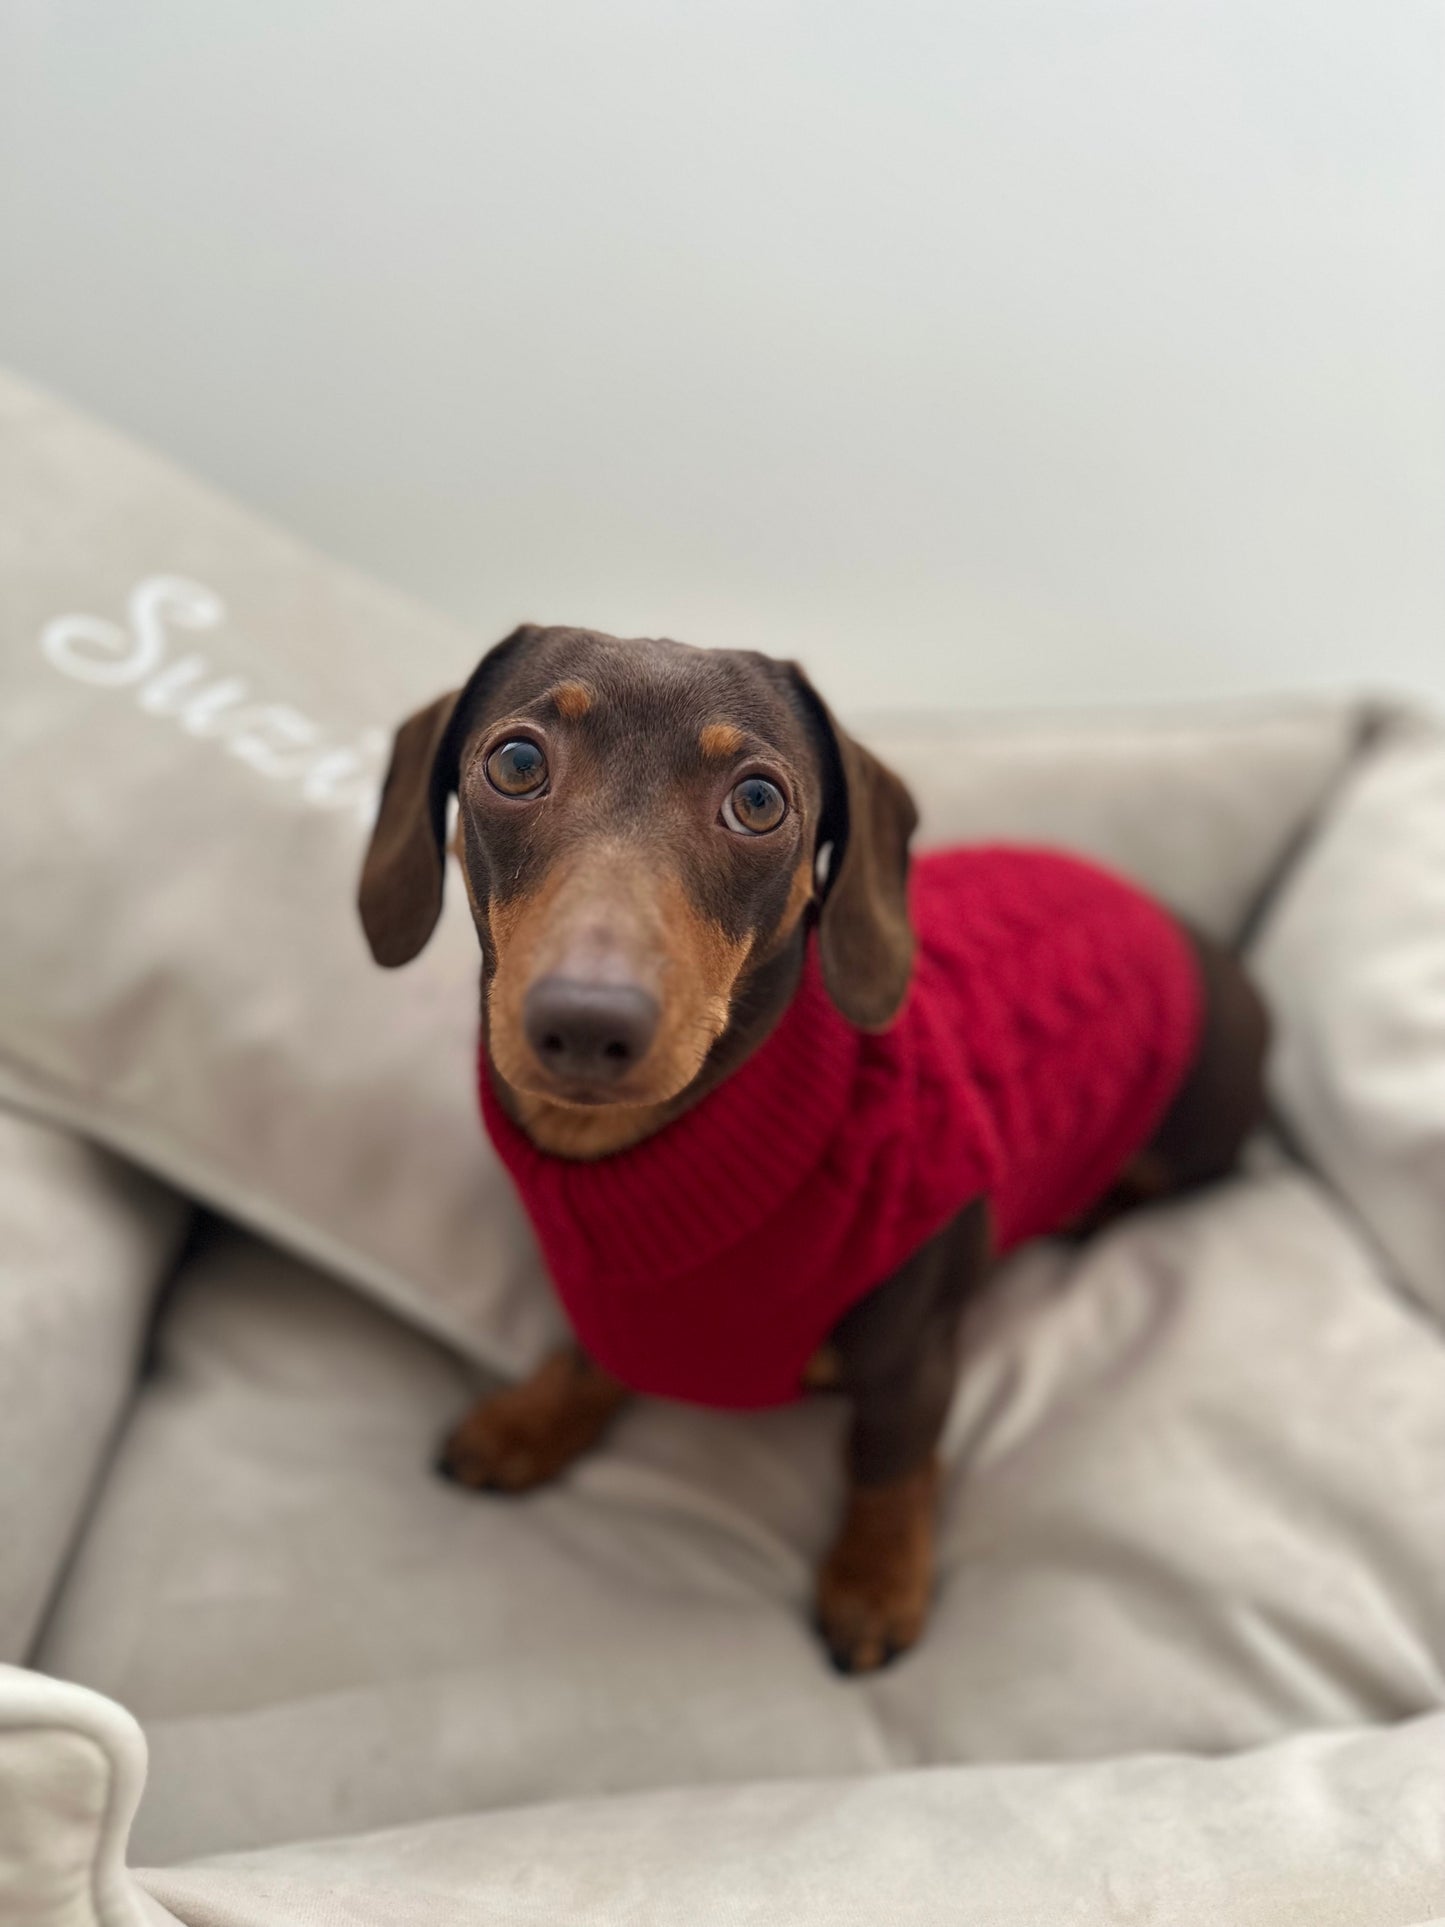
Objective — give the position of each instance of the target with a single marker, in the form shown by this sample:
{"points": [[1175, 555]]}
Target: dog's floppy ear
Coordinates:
{"points": [[400, 897], [865, 941]]}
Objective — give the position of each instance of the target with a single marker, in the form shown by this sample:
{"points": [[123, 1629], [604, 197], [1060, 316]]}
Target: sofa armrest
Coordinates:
{"points": [[1342, 1827], [84, 1243], [72, 1765]]}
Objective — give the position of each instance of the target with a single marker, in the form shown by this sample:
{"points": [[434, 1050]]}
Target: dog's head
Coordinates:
{"points": [[642, 826]]}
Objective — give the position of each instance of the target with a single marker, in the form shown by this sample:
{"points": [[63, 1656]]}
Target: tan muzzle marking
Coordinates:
{"points": [[608, 912]]}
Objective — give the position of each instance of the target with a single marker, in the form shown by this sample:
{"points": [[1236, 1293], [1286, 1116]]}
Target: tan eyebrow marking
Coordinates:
{"points": [[572, 699], [721, 739]]}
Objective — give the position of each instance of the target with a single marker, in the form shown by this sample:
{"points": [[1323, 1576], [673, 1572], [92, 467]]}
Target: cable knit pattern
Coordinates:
{"points": [[1053, 1013]]}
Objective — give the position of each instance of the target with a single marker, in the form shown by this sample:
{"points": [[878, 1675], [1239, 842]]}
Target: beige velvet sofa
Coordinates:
{"points": [[265, 1671]]}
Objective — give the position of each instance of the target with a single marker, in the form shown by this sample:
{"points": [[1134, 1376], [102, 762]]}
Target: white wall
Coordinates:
{"points": [[982, 350]]}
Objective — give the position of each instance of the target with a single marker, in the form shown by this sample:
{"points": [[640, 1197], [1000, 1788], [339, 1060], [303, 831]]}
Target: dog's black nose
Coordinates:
{"points": [[591, 1032]]}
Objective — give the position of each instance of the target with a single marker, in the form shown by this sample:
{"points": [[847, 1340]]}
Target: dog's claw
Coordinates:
{"points": [[448, 1472], [461, 1466], [869, 1655], [864, 1630]]}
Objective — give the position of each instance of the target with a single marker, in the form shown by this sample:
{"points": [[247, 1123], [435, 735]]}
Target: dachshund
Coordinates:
{"points": [[774, 1132]]}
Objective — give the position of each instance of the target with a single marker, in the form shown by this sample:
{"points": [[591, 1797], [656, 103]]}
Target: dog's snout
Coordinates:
{"points": [[592, 1033]]}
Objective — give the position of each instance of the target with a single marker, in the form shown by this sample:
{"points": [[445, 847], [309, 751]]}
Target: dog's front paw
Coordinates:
{"points": [[526, 1435], [867, 1620], [500, 1450], [875, 1587]]}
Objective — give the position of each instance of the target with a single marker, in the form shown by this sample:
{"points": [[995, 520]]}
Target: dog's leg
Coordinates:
{"points": [[896, 1358], [527, 1434]]}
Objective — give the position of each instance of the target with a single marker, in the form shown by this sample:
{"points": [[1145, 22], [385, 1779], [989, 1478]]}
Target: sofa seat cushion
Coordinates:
{"points": [[85, 1245], [1193, 1505]]}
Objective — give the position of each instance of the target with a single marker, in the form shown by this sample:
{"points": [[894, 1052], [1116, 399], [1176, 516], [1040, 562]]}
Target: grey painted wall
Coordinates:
{"points": [[1010, 351]]}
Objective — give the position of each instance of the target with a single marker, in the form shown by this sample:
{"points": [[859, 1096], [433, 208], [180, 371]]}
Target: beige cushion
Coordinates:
{"points": [[1203, 805], [192, 714], [188, 980], [1353, 955], [84, 1245], [1195, 1506]]}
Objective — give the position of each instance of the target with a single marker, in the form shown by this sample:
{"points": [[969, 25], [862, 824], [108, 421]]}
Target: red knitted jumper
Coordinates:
{"points": [[1052, 1015]]}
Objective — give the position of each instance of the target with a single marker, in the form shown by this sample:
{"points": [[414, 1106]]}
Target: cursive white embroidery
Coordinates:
{"points": [[273, 739]]}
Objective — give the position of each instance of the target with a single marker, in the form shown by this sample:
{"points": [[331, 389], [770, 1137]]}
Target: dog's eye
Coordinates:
{"points": [[754, 806], [517, 768]]}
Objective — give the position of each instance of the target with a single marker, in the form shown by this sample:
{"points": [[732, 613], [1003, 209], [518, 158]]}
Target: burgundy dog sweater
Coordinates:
{"points": [[1052, 1015]]}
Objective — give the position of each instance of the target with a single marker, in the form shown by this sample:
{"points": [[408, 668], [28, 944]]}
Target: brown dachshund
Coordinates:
{"points": [[648, 835]]}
